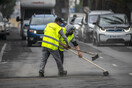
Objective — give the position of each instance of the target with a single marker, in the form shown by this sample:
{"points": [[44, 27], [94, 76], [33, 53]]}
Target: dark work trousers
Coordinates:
{"points": [[62, 56], [45, 54]]}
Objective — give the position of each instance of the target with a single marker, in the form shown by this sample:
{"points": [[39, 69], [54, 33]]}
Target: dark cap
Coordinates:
{"points": [[59, 19], [75, 15]]}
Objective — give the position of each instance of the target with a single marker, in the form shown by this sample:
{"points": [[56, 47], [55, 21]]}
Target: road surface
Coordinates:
{"points": [[19, 66]]}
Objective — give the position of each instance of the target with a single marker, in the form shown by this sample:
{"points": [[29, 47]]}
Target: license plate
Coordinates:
{"points": [[41, 36], [115, 36]]}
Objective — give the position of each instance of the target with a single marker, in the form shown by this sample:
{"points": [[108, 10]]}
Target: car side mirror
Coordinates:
{"points": [[18, 19], [26, 25], [131, 22], [95, 23]]}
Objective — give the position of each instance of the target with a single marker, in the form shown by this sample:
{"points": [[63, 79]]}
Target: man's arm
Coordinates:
{"points": [[64, 37], [74, 42]]}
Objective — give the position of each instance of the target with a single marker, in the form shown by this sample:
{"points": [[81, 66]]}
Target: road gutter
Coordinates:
{"points": [[114, 65], [2, 51], [130, 74]]}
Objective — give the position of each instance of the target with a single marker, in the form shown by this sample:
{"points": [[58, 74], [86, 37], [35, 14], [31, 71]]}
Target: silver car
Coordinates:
{"points": [[87, 26], [112, 28]]}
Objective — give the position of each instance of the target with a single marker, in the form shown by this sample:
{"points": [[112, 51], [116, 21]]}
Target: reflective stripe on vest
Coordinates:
{"points": [[51, 36], [50, 43]]}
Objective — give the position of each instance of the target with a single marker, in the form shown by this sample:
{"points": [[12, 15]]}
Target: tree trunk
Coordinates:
{"points": [[62, 8]]}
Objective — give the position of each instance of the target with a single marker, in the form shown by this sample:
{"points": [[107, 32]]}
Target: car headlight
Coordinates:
{"points": [[77, 27], [2, 28], [127, 30], [102, 30], [34, 31]]}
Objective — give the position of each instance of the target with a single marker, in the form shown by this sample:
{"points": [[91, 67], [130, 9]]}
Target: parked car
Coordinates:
{"points": [[87, 26], [2, 27], [112, 28], [36, 28]]}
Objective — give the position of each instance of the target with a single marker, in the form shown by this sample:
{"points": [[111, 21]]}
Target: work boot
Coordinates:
{"points": [[63, 73], [41, 74]]}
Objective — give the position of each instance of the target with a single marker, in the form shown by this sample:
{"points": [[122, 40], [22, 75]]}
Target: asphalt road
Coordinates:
{"points": [[20, 64]]}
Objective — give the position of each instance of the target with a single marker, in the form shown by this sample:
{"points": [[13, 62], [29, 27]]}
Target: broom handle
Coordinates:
{"points": [[77, 50], [84, 51], [88, 60]]}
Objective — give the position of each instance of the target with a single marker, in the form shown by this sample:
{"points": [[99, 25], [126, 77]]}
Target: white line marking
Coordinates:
{"points": [[114, 65], [101, 57], [3, 62], [129, 47], [2, 51], [130, 74]]}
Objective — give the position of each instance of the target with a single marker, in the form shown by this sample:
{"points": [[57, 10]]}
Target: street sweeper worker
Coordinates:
{"points": [[50, 44], [69, 32]]}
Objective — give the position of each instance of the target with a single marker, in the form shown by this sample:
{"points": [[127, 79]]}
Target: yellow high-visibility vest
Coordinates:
{"points": [[70, 37], [51, 36]]}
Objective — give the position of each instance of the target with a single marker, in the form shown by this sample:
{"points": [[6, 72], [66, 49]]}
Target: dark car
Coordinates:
{"points": [[36, 27]]}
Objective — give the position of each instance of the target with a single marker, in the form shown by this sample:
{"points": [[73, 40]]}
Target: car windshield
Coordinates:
{"points": [[113, 19], [42, 21], [26, 22], [1, 19], [78, 20], [92, 19]]}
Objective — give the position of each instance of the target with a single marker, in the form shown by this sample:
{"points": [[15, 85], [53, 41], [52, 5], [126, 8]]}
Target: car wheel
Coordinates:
{"points": [[23, 38], [126, 44], [84, 38], [4, 37], [79, 37], [88, 39], [29, 43], [94, 42], [97, 42], [130, 44]]}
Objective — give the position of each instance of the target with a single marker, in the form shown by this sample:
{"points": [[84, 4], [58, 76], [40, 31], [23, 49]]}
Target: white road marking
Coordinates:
{"points": [[129, 47], [101, 57], [130, 74], [2, 51], [3, 62], [114, 65]]}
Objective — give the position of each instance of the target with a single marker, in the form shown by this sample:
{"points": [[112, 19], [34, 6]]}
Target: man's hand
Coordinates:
{"points": [[67, 47], [80, 54]]}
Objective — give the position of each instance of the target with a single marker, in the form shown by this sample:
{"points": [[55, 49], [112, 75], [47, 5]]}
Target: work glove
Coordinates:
{"points": [[67, 47]]}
